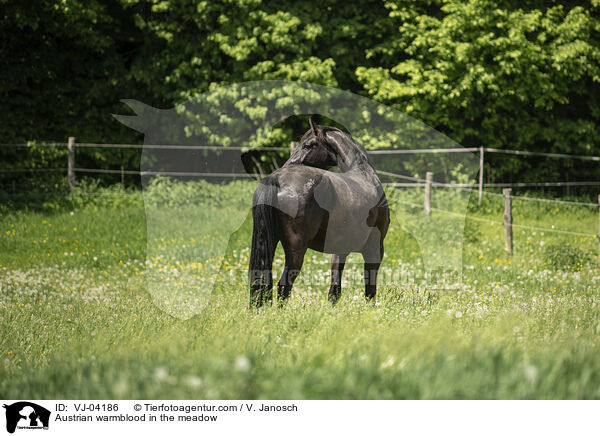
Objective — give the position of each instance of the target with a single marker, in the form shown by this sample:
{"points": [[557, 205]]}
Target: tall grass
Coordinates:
{"points": [[79, 318]]}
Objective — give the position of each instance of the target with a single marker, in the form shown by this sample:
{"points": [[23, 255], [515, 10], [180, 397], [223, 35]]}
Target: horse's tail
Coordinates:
{"points": [[264, 242]]}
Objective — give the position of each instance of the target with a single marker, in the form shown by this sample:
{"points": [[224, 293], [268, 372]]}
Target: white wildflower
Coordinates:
{"points": [[242, 364], [161, 373]]}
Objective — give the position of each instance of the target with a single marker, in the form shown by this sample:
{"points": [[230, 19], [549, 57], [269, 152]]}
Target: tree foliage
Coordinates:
{"points": [[496, 74], [506, 74]]}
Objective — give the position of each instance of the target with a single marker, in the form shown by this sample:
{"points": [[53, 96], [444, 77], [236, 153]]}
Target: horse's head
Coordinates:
{"points": [[313, 150]]}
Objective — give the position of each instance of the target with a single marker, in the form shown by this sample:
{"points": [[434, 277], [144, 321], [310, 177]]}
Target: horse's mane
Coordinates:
{"points": [[349, 142]]}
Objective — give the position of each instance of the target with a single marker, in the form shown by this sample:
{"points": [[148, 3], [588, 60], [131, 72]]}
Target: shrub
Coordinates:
{"points": [[166, 192], [566, 256]]}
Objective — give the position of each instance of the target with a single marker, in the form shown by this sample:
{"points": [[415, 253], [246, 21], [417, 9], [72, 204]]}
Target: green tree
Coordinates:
{"points": [[497, 74], [215, 43], [521, 75], [65, 65], [211, 44]]}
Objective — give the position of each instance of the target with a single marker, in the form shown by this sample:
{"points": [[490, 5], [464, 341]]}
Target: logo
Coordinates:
{"points": [[26, 415]]}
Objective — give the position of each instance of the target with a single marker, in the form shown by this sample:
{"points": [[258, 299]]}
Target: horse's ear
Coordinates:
{"points": [[313, 127]]}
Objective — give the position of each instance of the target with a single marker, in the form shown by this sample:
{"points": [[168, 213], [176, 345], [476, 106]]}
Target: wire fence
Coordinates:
{"points": [[407, 181], [372, 152], [499, 223], [416, 182]]}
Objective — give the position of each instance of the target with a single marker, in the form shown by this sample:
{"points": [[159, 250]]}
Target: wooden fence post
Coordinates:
{"points": [[480, 174], [71, 163], [428, 178], [508, 220], [122, 177]]}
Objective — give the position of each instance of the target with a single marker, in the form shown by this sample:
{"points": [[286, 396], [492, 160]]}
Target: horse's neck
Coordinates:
{"points": [[354, 161], [360, 169]]}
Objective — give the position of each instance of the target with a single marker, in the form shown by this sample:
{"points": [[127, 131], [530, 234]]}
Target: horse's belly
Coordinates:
{"points": [[346, 233], [348, 204]]}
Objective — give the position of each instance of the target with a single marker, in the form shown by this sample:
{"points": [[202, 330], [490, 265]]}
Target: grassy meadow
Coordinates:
{"points": [[103, 298]]}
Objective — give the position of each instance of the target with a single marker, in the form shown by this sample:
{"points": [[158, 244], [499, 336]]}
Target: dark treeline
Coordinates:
{"points": [[508, 74]]}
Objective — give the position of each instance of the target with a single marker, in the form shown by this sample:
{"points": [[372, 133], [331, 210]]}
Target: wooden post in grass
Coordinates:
{"points": [[71, 163], [508, 220], [122, 177], [428, 178]]}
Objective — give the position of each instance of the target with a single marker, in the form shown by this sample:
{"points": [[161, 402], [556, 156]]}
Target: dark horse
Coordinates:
{"points": [[305, 206]]}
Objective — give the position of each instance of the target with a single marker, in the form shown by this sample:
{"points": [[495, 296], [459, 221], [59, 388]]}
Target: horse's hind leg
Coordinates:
{"points": [[372, 255], [294, 257], [338, 261], [262, 293], [261, 287]]}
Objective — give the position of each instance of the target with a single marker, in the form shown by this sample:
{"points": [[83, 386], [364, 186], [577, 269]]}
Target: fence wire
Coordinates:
{"points": [[500, 223], [416, 181]]}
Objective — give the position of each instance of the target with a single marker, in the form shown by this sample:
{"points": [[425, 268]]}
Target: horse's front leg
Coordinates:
{"points": [[294, 257], [338, 261]]}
